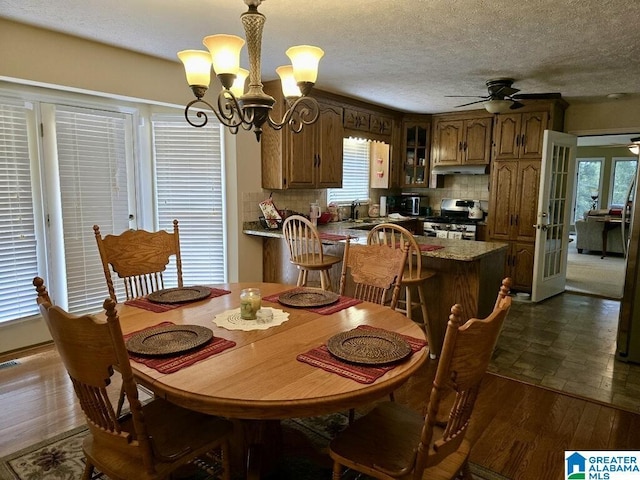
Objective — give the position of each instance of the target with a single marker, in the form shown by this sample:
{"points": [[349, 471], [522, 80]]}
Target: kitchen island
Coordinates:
{"points": [[468, 272]]}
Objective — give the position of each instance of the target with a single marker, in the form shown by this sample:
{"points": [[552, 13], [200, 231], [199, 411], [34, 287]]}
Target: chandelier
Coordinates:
{"points": [[250, 110]]}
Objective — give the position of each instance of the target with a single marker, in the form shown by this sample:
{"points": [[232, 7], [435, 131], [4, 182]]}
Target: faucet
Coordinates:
{"points": [[354, 211]]}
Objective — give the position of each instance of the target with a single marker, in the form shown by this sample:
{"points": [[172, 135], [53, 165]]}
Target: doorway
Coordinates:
{"points": [[596, 187]]}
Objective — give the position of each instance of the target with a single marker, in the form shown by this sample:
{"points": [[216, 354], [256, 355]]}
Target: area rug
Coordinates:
{"points": [[589, 274], [60, 457]]}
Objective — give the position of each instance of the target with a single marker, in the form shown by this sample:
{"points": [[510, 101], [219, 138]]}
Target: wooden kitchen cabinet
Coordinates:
{"points": [[415, 153], [309, 159], [365, 121], [356, 119], [315, 155], [515, 182], [519, 265], [520, 135], [462, 141], [514, 199]]}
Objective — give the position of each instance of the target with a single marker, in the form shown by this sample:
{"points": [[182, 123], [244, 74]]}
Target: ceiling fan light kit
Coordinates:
{"points": [[502, 97], [251, 110], [497, 106]]}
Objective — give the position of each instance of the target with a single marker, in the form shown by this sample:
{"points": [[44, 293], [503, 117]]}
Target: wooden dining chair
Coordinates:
{"points": [[414, 277], [150, 441], [306, 251], [140, 258], [394, 441], [373, 272]]}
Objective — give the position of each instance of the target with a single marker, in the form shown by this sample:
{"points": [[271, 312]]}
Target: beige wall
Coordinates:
{"points": [[609, 116], [35, 55]]}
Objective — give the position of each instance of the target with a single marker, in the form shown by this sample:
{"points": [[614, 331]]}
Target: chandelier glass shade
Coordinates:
{"points": [[250, 110], [634, 146]]}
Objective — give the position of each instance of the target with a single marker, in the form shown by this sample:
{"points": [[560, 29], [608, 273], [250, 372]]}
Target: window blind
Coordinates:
{"points": [[92, 148], [18, 254], [355, 173], [189, 187]]}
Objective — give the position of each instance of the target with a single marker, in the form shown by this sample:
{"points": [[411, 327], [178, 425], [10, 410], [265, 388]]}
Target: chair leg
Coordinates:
{"points": [[300, 282], [337, 471], [226, 463], [88, 470], [425, 316], [409, 303], [325, 280], [120, 401]]}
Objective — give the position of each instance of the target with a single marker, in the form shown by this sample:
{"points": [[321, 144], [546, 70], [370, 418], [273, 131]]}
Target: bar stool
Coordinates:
{"points": [[305, 250], [414, 278]]}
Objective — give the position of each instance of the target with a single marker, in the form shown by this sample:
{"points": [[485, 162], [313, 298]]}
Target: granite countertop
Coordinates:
{"points": [[462, 250]]}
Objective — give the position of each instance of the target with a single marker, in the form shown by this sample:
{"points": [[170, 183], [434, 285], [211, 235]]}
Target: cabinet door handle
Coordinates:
{"points": [[460, 146], [319, 159], [517, 219], [523, 142], [517, 140], [464, 146]]}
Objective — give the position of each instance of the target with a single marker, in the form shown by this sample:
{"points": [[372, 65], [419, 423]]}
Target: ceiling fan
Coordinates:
{"points": [[503, 97]]}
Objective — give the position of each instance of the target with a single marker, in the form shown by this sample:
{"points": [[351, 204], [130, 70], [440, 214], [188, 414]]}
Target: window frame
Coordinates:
{"points": [[144, 207]]}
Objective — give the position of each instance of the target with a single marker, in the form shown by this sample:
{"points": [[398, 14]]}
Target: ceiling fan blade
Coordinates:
{"points": [[536, 96], [467, 96], [472, 103], [515, 105], [501, 92]]}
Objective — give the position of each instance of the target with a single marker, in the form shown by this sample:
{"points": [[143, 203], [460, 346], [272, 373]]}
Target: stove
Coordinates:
{"points": [[454, 221]]}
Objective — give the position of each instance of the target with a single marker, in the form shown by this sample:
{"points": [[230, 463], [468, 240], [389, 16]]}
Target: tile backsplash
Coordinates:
{"points": [[475, 187]]}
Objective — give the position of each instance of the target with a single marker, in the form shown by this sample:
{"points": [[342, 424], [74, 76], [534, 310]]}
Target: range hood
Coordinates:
{"points": [[460, 170]]}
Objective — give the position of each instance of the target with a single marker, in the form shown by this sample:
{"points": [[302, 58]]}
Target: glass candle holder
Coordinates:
{"points": [[250, 303]]}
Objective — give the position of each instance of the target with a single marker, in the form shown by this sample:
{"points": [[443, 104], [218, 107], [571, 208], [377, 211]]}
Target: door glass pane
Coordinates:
{"points": [[557, 201], [588, 187]]}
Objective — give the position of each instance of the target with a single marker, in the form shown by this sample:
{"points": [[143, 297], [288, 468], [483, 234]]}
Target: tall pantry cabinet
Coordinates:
{"points": [[515, 181]]}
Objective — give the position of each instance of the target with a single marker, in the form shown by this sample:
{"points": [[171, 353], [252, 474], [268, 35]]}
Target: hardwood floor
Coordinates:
{"points": [[520, 431]]}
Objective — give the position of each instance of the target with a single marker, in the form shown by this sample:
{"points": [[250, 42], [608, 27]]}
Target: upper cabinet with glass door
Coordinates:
{"points": [[415, 153]]}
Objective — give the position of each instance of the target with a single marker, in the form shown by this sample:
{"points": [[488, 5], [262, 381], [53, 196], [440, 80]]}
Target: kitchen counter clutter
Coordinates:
{"points": [[461, 250]]}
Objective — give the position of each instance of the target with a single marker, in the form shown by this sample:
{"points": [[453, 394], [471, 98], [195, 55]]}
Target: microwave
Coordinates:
{"points": [[413, 204]]}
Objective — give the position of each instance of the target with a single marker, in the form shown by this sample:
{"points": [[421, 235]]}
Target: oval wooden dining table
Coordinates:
{"points": [[260, 377]]}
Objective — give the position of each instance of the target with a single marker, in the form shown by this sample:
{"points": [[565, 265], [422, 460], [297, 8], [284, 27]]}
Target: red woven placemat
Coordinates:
{"points": [[173, 363], [332, 236], [165, 307], [342, 303], [321, 358]]}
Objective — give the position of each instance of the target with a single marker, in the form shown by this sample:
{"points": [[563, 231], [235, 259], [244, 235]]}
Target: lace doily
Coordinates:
{"points": [[231, 319]]}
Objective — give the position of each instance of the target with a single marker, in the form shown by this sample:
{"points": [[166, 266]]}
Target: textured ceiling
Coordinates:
{"points": [[405, 54]]}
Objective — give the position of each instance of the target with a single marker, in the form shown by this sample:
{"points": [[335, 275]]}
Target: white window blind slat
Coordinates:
{"points": [[189, 188], [92, 156], [355, 173], [18, 254]]}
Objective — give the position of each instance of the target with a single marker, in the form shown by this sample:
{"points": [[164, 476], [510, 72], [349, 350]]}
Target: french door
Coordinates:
{"points": [[554, 215]]}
